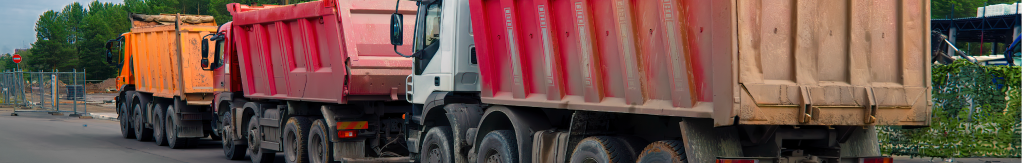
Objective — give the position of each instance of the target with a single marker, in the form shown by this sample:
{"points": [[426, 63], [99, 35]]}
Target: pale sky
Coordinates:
{"points": [[18, 20]]}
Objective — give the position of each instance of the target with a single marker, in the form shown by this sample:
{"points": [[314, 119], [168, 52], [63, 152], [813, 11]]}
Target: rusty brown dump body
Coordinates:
{"points": [[852, 62]]}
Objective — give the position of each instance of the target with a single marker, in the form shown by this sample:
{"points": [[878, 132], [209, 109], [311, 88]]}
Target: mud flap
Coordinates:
{"points": [[190, 129], [862, 143], [704, 143]]}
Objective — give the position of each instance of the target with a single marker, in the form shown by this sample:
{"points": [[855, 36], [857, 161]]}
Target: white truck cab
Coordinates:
{"points": [[443, 51]]}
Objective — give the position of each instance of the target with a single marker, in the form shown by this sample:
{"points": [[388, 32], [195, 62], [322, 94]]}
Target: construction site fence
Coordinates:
{"points": [[40, 91]]}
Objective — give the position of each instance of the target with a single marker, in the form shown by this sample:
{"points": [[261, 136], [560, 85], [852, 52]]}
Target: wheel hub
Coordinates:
{"points": [[494, 158], [317, 148], [254, 145], [435, 155], [292, 147]]}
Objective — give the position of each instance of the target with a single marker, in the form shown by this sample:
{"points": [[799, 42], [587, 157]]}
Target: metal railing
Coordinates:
{"points": [[53, 92]]}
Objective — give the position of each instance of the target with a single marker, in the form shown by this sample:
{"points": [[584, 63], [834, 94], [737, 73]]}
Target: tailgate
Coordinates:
{"points": [[833, 62]]}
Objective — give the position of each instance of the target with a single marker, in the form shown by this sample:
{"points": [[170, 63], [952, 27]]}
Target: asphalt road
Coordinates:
{"points": [[40, 137]]}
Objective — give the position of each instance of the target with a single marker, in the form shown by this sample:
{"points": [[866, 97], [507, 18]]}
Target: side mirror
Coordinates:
{"points": [[396, 29], [205, 63]]}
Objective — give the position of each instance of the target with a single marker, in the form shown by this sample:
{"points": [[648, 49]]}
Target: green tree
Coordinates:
{"points": [[52, 49], [104, 21], [961, 8]]}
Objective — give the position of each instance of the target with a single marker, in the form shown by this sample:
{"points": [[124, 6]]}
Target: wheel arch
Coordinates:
{"points": [[524, 121]]}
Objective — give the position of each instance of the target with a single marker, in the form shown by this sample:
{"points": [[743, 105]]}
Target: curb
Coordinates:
{"points": [[104, 116]]}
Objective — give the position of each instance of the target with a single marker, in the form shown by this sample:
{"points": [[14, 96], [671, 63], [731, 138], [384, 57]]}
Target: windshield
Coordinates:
{"points": [[432, 26]]}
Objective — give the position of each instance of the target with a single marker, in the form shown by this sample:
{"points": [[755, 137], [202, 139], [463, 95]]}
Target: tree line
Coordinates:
{"points": [[74, 37]]}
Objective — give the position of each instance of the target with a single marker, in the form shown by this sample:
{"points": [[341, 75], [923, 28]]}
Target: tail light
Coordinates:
{"points": [[876, 160], [347, 134], [736, 161]]}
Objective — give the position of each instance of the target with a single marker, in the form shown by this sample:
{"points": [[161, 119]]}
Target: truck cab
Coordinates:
{"points": [[444, 54]]}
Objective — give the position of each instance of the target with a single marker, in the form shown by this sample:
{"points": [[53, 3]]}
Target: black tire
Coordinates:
{"points": [[125, 119], [171, 121], [665, 151], [633, 144], [498, 146], [600, 149], [215, 137], [319, 143], [215, 125], [141, 132], [296, 135], [437, 146], [159, 132], [233, 150], [255, 152]]}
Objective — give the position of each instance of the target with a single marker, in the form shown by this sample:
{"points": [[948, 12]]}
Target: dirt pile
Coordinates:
{"points": [[104, 86]]}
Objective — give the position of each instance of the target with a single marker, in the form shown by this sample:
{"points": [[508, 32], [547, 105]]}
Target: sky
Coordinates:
{"points": [[18, 20]]}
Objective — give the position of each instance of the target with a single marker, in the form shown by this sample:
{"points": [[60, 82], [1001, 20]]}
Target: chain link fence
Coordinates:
{"points": [[51, 92]]}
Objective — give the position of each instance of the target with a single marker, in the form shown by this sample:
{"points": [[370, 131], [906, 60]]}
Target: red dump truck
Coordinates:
{"points": [[317, 81], [663, 80]]}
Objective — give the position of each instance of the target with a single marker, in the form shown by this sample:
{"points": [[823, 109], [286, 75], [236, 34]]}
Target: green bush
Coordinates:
{"points": [[976, 113]]}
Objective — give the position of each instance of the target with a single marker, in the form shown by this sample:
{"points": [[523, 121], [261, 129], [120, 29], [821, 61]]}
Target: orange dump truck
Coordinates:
{"points": [[162, 96]]}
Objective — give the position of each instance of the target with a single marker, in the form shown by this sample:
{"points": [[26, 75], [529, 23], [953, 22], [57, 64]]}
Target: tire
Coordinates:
{"points": [[171, 121], [125, 119], [255, 152], [159, 133], [215, 125], [633, 144], [215, 137], [498, 146], [296, 135], [232, 150], [437, 146], [665, 151], [319, 143], [600, 149], [141, 132]]}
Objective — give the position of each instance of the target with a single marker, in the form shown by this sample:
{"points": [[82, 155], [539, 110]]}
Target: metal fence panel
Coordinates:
{"points": [[53, 92]]}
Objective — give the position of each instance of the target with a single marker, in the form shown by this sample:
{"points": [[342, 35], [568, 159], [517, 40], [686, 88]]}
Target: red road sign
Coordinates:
{"points": [[16, 58]]}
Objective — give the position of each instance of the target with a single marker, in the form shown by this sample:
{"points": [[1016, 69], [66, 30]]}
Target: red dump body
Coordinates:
{"points": [[764, 62], [321, 51]]}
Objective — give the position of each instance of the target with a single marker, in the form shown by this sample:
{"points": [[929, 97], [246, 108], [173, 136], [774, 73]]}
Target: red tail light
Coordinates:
{"points": [[347, 134], [876, 160], [736, 161]]}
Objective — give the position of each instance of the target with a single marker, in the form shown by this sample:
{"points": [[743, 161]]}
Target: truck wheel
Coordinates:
{"points": [[232, 150], [319, 146], [296, 134], [171, 126], [214, 125], [256, 153], [126, 124], [437, 146], [498, 146], [600, 149], [665, 151], [633, 144], [141, 132], [158, 126]]}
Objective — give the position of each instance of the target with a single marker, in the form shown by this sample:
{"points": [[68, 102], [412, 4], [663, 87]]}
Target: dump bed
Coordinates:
{"points": [[850, 62], [322, 51], [161, 48]]}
